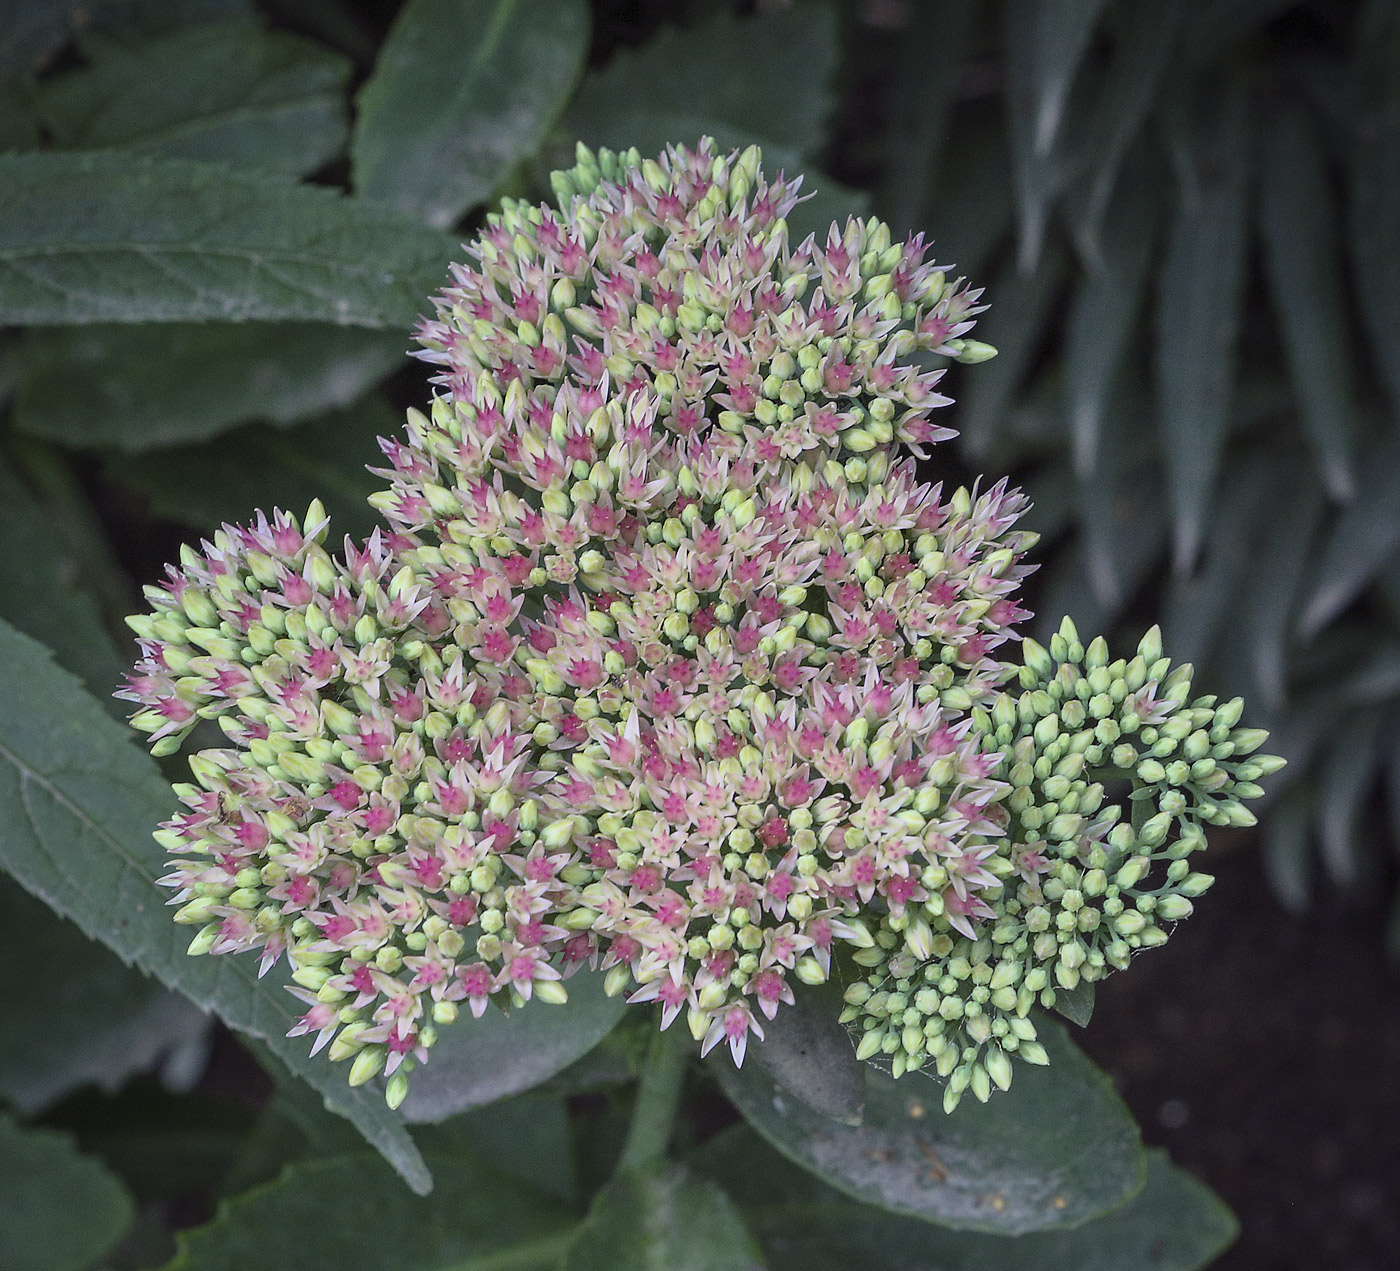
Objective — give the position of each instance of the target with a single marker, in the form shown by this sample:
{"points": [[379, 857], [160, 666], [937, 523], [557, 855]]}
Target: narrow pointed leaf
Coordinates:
{"points": [[1374, 205], [1362, 542], [740, 73], [970, 210], [109, 238], [82, 803], [1056, 1149], [349, 1213], [463, 91], [1105, 311], [167, 384], [478, 1061], [219, 93], [663, 1218], [59, 1210], [1217, 26], [1344, 786], [1198, 316], [1299, 218], [1173, 1224], [1288, 855]]}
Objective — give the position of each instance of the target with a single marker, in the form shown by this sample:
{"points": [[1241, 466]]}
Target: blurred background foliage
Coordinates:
{"points": [[1186, 217]]}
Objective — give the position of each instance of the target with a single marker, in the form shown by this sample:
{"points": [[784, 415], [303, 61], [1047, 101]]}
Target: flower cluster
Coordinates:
{"points": [[667, 662]]}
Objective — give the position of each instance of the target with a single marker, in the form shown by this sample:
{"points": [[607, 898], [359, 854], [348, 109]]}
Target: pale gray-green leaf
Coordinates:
{"points": [[221, 93], [477, 1061], [810, 1056], [1056, 1149], [1344, 786], [108, 238], [1198, 313], [349, 1213], [663, 1218], [59, 1210], [82, 803], [1299, 216], [463, 91], [146, 386]]}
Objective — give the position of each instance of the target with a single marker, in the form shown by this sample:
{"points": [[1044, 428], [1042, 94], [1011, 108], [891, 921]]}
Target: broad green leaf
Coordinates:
{"points": [[1056, 1149], [1173, 1224], [478, 1061], [147, 386], [59, 1210], [224, 93], [33, 30], [1145, 41], [1361, 542], [810, 1056], [349, 1213], [1105, 310], [767, 78], [663, 1219], [529, 1138], [1374, 204], [42, 591], [1076, 1004], [1015, 323], [223, 481], [463, 91], [1344, 786], [108, 238], [927, 67], [77, 1016], [83, 802], [19, 129], [1299, 218], [1198, 314]]}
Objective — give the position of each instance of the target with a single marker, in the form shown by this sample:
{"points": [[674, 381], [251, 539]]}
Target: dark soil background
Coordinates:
{"points": [[1260, 1048]]}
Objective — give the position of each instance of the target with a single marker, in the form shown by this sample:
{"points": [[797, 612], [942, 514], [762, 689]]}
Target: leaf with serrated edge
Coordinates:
{"points": [[663, 1218], [1198, 315], [1299, 217], [1173, 1224], [81, 803], [220, 93], [111, 238], [349, 1213], [462, 92], [478, 1061], [168, 384], [1056, 1149], [59, 1210]]}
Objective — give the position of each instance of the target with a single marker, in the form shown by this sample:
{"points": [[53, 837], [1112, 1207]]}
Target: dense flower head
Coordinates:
{"points": [[667, 662]]}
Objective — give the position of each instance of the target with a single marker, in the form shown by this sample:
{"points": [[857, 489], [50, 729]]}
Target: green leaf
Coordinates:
{"points": [[810, 1056], [77, 1016], [478, 1061], [1105, 311], [223, 93], [1076, 1004], [1015, 323], [768, 78], [1362, 542], [1173, 1224], [1056, 1149], [349, 1213], [462, 92], [1198, 313], [1217, 26], [529, 1138], [1344, 787], [42, 591], [927, 66], [84, 801], [970, 210], [1374, 204], [109, 238], [663, 1219], [263, 467], [147, 386], [1299, 216], [1288, 860], [1145, 41], [59, 1211]]}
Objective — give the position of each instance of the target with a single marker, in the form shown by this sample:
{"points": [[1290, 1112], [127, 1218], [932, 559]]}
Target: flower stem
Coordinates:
{"points": [[658, 1096]]}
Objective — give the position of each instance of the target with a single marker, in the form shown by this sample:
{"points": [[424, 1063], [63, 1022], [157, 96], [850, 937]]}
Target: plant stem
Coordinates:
{"points": [[658, 1096]]}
